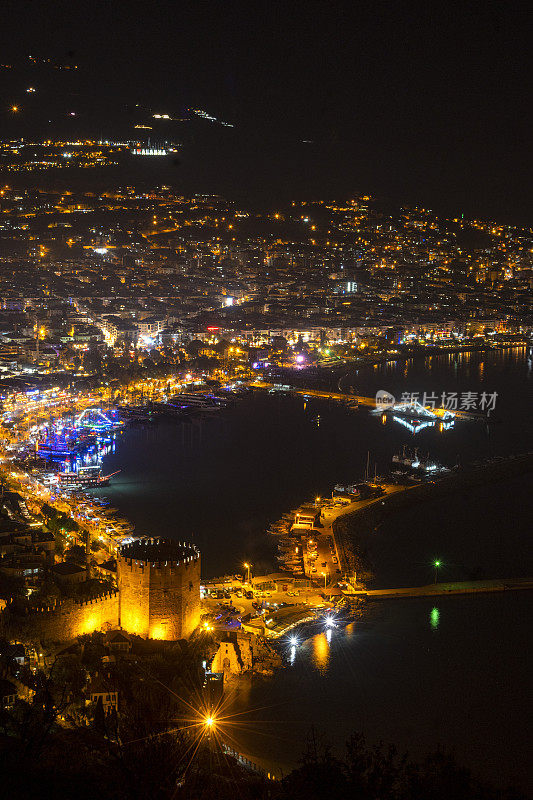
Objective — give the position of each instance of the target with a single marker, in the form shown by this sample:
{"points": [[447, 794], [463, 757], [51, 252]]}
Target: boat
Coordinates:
{"points": [[352, 489], [185, 399], [411, 463], [85, 478], [57, 448]]}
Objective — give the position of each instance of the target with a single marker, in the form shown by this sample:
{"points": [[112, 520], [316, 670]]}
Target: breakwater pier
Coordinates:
{"points": [[448, 589]]}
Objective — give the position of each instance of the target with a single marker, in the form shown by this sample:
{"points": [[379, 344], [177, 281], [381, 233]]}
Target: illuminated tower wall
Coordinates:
{"points": [[159, 588]]}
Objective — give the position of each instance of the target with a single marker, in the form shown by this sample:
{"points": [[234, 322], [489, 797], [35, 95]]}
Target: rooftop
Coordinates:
{"points": [[67, 568]]}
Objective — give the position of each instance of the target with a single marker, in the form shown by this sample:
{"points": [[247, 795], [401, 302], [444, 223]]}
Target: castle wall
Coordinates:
{"points": [[66, 621], [157, 599]]}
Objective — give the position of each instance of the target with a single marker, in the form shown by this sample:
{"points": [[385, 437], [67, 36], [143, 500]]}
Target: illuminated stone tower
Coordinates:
{"points": [[159, 588]]}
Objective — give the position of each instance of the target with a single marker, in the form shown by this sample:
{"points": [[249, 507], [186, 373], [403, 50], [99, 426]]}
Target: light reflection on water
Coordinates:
{"points": [[292, 654], [320, 654], [350, 629]]}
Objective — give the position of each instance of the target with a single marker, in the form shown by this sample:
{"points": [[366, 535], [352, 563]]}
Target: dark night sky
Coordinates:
{"points": [[428, 103]]}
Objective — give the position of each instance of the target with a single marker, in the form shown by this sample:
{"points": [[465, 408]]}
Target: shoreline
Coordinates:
{"points": [[323, 371]]}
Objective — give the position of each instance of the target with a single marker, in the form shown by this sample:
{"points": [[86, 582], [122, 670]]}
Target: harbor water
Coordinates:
{"points": [[418, 673]]}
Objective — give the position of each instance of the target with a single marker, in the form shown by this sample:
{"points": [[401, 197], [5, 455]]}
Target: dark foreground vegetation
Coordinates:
{"points": [[89, 762], [61, 737]]}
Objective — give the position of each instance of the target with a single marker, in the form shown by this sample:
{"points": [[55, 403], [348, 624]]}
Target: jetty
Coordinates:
{"points": [[448, 589]]}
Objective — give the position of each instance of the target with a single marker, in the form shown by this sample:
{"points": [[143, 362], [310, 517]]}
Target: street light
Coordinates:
{"points": [[325, 574], [436, 564], [248, 568]]}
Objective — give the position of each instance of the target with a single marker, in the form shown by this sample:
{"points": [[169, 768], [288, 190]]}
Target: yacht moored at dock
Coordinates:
{"points": [[406, 462]]}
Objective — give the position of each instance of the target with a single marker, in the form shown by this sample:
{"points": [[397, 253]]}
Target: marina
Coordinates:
{"points": [[306, 518]]}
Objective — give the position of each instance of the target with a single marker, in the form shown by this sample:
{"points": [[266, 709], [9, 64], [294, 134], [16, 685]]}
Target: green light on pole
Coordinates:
{"points": [[436, 564], [434, 618]]}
